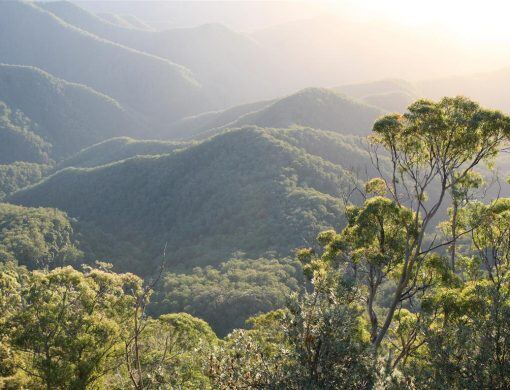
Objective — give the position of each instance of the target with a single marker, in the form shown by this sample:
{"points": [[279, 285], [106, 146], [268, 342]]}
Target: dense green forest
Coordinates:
{"points": [[20, 142], [18, 175], [117, 149], [235, 204], [390, 298], [252, 190]]}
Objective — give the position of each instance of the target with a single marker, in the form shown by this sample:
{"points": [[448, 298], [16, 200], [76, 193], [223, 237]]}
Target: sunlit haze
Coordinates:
{"points": [[469, 19]]}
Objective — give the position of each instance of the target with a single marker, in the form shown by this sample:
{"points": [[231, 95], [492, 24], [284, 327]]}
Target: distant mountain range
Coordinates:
{"points": [[157, 88], [231, 67]]}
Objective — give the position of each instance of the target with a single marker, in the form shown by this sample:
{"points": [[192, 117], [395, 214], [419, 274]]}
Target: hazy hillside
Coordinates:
{"points": [[392, 95], [66, 116], [117, 149], [219, 58], [191, 126], [491, 89], [128, 21], [335, 49], [242, 15], [316, 108], [153, 86], [247, 190]]}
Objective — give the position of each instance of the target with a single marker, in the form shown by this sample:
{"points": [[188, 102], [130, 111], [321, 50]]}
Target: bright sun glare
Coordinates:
{"points": [[472, 20]]}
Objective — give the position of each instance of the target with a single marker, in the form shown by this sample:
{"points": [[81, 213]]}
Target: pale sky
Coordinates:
{"points": [[476, 21]]}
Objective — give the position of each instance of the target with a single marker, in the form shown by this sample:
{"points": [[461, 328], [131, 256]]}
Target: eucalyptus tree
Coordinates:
{"points": [[68, 328], [424, 157]]}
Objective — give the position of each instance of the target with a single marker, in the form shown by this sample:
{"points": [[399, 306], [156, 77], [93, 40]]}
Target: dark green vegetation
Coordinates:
{"points": [[19, 142], [36, 238], [227, 295], [251, 189], [117, 149], [394, 299], [18, 175]]}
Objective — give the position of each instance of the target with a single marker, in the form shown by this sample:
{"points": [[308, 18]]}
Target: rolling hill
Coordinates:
{"points": [[116, 149], [318, 108], [251, 190], [192, 126], [155, 87], [56, 118]]}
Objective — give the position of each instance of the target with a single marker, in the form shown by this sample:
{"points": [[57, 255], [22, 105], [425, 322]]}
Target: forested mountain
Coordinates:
{"points": [[219, 58], [317, 108], [192, 126], [19, 141], [117, 149], [56, 117], [250, 190], [32, 36]]}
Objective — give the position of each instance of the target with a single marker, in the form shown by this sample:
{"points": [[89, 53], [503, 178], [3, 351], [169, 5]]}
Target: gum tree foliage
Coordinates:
{"points": [[432, 149], [68, 328], [227, 295], [37, 237], [468, 339], [174, 351]]}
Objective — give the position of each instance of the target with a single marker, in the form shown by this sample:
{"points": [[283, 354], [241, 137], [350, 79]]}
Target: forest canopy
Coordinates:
{"points": [[402, 295]]}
